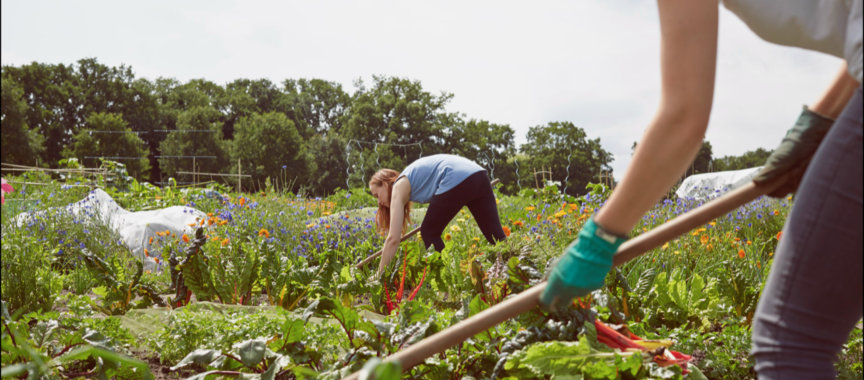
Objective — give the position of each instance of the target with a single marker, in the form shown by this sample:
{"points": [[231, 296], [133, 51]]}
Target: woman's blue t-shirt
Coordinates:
{"points": [[437, 174]]}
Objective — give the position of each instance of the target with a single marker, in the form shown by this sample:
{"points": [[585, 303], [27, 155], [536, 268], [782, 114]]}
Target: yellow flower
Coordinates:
{"points": [[225, 242], [713, 224], [530, 208], [325, 213], [771, 254], [789, 198], [310, 225], [497, 201], [704, 239], [702, 230], [476, 239], [560, 214], [710, 247], [455, 229], [677, 252], [665, 246], [447, 237], [694, 233]]}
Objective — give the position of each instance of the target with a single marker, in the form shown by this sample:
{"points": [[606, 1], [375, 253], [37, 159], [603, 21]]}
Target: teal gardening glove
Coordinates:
{"points": [[795, 152], [583, 267]]}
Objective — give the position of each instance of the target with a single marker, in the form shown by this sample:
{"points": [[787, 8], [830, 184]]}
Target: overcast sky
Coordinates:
{"points": [[592, 62]]}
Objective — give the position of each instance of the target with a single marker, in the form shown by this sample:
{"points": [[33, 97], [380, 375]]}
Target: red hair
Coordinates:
{"points": [[386, 178]]}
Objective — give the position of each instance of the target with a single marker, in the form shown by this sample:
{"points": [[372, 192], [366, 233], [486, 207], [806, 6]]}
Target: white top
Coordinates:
{"points": [[830, 26]]}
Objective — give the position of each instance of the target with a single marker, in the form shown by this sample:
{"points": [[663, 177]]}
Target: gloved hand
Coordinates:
{"points": [[795, 152], [583, 267]]}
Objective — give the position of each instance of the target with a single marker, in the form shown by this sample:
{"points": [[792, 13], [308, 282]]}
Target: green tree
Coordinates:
{"points": [[550, 145], [244, 97], [108, 135], [267, 143], [325, 155], [486, 143], [315, 106], [396, 111], [749, 159], [190, 139], [18, 143]]}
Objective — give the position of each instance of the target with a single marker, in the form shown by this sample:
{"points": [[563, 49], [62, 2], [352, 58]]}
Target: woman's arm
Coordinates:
{"points": [[398, 199], [688, 31], [837, 95]]}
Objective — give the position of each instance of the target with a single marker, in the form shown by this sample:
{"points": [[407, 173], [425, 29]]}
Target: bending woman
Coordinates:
{"points": [[447, 183], [813, 296]]}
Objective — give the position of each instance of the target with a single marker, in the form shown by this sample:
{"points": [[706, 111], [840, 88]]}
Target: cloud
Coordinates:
{"points": [[595, 63]]}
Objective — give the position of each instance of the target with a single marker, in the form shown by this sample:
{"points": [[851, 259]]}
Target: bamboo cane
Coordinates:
{"points": [[404, 237], [528, 299]]}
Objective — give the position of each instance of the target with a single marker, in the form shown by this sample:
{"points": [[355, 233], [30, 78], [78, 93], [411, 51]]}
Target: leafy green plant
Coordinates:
{"points": [[28, 283], [681, 302], [44, 349], [118, 295]]}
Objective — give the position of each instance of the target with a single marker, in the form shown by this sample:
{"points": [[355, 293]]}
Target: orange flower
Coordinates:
{"points": [[192, 224], [222, 223], [749, 242], [202, 221], [447, 237], [225, 242], [704, 239], [737, 239], [779, 234], [242, 201], [741, 253], [710, 247], [151, 240], [518, 223], [776, 212], [185, 238], [210, 214], [264, 233], [506, 231], [146, 252], [539, 217], [166, 233], [759, 264], [210, 221], [215, 238], [156, 259], [326, 226]]}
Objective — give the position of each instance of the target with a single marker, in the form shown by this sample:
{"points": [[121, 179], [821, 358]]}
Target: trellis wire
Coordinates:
{"points": [[362, 172], [348, 167], [377, 156], [568, 170], [518, 182]]}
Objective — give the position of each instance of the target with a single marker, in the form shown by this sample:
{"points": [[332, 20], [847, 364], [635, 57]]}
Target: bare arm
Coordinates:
{"points": [[832, 102], [688, 31], [398, 200]]}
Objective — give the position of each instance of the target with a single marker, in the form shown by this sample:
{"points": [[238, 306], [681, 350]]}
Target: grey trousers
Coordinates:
{"points": [[813, 297]]}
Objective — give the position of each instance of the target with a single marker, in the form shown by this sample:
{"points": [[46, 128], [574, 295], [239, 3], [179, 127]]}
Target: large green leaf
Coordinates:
{"points": [[201, 357], [251, 352], [375, 369]]}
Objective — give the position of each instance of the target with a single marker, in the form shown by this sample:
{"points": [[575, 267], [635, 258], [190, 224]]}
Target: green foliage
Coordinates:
{"points": [[108, 135], [39, 346], [681, 301], [19, 144], [28, 283], [265, 143], [549, 145], [185, 142], [119, 293], [749, 159]]}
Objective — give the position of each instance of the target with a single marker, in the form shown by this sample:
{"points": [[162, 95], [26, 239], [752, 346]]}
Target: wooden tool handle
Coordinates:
{"points": [[405, 237], [528, 299]]}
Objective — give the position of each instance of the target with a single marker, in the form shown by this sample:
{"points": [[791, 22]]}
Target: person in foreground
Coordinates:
{"points": [[447, 183], [813, 296]]}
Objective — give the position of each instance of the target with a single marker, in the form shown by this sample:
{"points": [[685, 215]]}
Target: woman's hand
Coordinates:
{"points": [[794, 154], [583, 267]]}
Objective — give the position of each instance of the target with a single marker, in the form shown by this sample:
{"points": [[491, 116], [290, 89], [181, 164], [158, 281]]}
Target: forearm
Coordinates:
{"points": [[388, 252], [832, 102], [669, 145]]}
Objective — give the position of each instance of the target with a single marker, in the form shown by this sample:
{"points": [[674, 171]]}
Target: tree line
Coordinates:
{"points": [[309, 132]]}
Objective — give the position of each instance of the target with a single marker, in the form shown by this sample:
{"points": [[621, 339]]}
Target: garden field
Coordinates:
{"points": [[265, 287]]}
